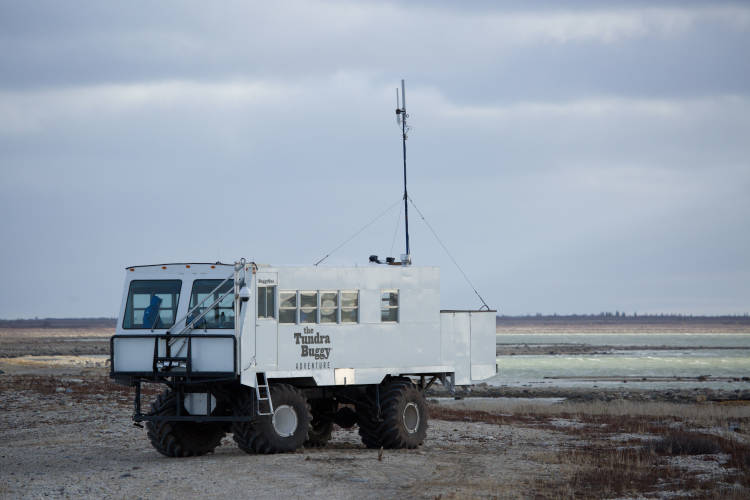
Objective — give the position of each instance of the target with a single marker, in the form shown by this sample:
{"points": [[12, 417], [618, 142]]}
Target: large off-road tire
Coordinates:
{"points": [[284, 431], [403, 412], [321, 426], [369, 426], [180, 439]]}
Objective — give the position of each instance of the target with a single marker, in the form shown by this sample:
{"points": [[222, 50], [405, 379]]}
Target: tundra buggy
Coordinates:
{"points": [[277, 355]]}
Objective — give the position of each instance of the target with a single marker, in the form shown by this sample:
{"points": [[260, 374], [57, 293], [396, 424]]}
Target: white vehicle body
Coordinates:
{"points": [[329, 326]]}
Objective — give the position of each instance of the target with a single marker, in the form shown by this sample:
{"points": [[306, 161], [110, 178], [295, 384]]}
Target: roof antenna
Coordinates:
{"points": [[401, 117]]}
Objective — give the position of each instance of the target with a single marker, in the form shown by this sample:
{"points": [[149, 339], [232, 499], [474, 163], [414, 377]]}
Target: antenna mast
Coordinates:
{"points": [[401, 117]]}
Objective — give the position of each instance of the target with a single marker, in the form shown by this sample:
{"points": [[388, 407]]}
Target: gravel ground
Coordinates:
{"points": [[66, 432], [72, 443]]}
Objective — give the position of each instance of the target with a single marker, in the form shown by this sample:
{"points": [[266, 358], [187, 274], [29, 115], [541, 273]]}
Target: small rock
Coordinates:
{"points": [[127, 474]]}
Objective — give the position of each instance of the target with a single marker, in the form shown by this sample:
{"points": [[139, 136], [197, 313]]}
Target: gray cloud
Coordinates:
{"points": [[574, 160]]}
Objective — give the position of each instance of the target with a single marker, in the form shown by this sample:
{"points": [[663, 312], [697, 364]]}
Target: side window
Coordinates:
{"points": [[329, 307], [288, 307], [308, 307], [151, 304], [222, 315], [389, 306], [349, 306], [266, 301]]}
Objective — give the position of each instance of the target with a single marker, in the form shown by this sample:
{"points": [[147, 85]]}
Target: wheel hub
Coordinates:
{"points": [[284, 420], [411, 417]]}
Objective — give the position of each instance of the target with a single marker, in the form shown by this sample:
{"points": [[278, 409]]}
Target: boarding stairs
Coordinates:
{"points": [[263, 394]]}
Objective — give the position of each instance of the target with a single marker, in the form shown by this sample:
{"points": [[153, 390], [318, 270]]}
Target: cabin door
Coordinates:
{"points": [[266, 323]]}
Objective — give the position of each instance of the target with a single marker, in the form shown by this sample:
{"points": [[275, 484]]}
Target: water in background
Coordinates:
{"points": [[629, 339], [707, 360]]}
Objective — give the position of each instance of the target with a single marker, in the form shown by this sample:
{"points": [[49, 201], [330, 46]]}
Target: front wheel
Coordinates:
{"points": [[283, 431], [180, 439]]}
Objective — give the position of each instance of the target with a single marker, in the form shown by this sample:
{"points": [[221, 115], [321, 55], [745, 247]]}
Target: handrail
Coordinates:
{"points": [[240, 265], [190, 326], [187, 314]]}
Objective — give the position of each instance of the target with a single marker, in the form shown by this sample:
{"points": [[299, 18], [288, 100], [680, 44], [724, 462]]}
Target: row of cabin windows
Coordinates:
{"points": [[322, 306], [153, 304]]}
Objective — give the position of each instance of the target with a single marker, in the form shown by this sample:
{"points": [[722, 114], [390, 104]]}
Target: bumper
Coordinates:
{"points": [[192, 356]]}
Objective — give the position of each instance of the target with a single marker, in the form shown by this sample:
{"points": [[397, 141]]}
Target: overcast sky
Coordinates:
{"points": [[574, 158]]}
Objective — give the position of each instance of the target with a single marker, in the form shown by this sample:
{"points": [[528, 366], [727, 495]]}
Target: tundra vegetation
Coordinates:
{"points": [[66, 433]]}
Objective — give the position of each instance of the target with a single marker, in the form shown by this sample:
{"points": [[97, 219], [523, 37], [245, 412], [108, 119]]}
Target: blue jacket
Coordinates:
{"points": [[151, 314]]}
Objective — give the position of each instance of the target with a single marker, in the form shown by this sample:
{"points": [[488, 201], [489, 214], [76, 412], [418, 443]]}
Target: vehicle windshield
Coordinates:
{"points": [[151, 304], [222, 316]]}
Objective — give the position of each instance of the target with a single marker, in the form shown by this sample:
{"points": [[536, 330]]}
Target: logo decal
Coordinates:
{"points": [[313, 346]]}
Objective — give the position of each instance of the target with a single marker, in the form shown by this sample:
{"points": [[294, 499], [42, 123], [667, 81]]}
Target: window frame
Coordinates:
{"points": [[300, 311], [205, 326], [342, 308], [274, 313], [336, 309], [389, 307], [295, 308], [128, 302]]}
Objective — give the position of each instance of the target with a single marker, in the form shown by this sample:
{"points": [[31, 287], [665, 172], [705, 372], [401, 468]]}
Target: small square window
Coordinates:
{"points": [[308, 311], [266, 301], [389, 306], [288, 307], [329, 307], [349, 306]]}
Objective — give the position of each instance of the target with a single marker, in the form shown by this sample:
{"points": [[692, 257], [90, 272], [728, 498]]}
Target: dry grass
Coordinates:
{"points": [[628, 448], [78, 389], [705, 414], [607, 471]]}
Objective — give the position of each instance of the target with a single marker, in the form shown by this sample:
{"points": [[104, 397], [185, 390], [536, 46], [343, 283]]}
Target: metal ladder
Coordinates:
{"points": [[263, 394]]}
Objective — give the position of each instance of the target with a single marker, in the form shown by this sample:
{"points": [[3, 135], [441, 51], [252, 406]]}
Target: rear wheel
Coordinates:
{"points": [[367, 419], [403, 412], [284, 431], [180, 439]]}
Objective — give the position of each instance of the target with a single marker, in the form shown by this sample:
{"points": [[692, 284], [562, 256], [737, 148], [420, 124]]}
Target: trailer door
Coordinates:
{"points": [[266, 324]]}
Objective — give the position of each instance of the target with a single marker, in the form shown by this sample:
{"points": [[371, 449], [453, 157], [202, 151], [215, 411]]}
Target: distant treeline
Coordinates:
{"points": [[59, 323], [601, 318], [618, 317]]}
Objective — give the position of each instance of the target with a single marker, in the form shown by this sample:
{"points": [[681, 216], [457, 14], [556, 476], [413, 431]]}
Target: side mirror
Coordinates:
{"points": [[244, 294]]}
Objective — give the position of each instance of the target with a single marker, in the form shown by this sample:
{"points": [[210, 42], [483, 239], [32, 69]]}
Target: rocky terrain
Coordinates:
{"points": [[66, 433]]}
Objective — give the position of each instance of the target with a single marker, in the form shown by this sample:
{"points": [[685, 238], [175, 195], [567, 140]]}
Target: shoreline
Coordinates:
{"points": [[542, 327]]}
